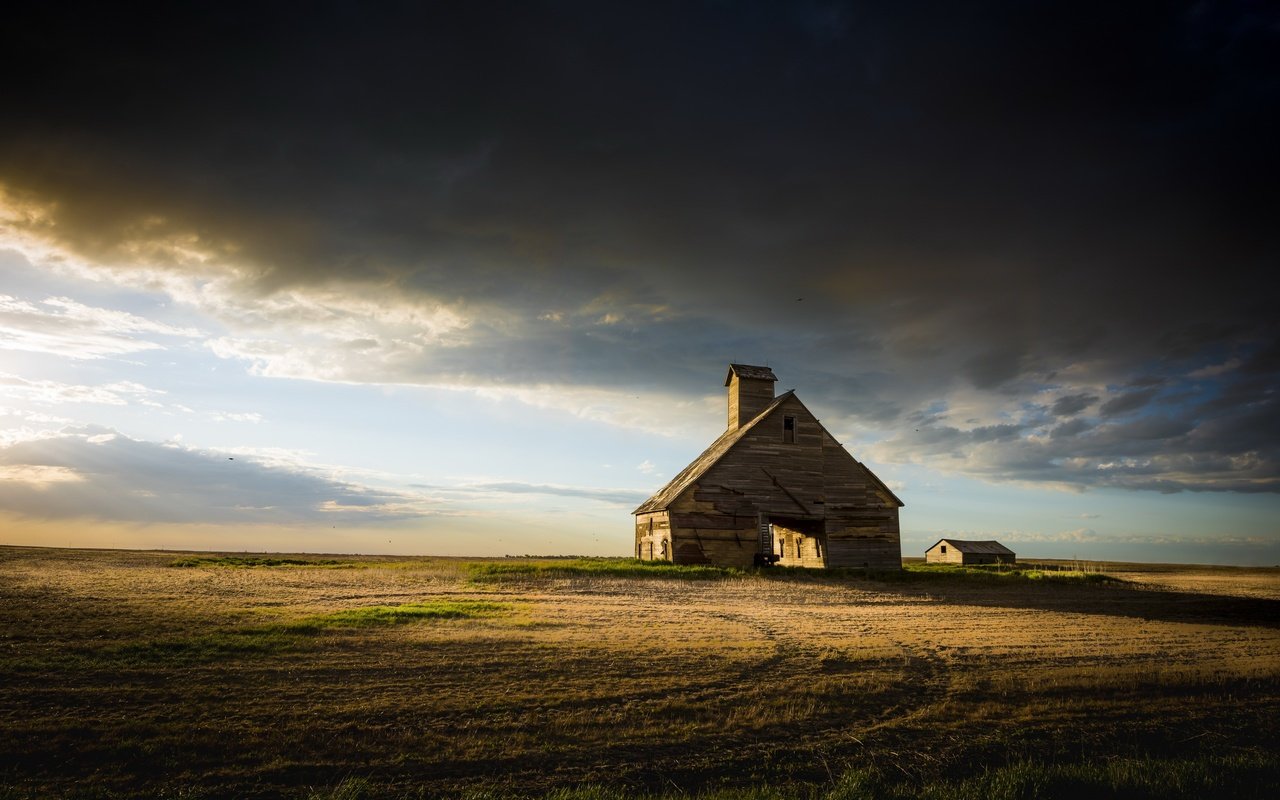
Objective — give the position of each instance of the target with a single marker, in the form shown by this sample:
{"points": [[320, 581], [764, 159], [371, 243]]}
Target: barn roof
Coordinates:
{"points": [[970, 546], [676, 486], [748, 371], [667, 495]]}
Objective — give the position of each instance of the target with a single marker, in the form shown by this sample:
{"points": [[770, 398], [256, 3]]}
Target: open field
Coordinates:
{"points": [[123, 674]]}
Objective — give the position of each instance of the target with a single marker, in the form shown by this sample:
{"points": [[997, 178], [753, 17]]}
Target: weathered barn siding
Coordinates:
{"points": [[861, 515], [775, 469], [748, 396], [706, 535]]}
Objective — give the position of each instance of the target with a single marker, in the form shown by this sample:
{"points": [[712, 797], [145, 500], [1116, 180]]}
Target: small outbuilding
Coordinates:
{"points": [[961, 551]]}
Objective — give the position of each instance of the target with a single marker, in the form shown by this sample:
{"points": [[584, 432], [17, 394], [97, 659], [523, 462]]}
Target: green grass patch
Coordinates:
{"points": [[1247, 777], [915, 573], [248, 562], [216, 646], [294, 636], [1235, 776], [515, 569], [595, 568], [372, 616]]}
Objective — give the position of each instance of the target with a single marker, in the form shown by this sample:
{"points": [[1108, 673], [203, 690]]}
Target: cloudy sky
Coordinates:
{"points": [[465, 278]]}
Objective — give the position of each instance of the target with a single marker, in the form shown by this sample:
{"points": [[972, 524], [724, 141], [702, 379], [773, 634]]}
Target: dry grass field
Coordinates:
{"points": [[125, 674]]}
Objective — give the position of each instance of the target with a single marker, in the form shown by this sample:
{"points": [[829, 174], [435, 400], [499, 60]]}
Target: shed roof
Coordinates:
{"points": [[970, 546], [748, 371]]}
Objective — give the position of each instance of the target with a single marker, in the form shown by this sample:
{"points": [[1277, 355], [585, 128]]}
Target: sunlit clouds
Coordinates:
{"points": [[61, 326], [484, 272], [38, 476]]}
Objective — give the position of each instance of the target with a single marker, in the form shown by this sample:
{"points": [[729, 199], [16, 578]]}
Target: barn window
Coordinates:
{"points": [[788, 429], [944, 549]]}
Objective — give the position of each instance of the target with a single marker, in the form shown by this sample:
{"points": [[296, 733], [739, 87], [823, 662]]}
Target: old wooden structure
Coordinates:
{"points": [[962, 551], [775, 486]]}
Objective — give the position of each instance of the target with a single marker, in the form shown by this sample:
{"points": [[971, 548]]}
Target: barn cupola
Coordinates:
{"points": [[750, 391]]}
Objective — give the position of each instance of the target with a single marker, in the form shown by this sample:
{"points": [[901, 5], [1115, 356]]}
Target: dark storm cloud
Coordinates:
{"points": [[98, 474], [1073, 404], [1233, 446], [1127, 402], [1070, 428], [990, 369], [887, 200]]}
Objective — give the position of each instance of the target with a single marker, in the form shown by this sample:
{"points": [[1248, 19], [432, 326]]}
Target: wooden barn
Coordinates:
{"points": [[961, 551], [774, 487]]}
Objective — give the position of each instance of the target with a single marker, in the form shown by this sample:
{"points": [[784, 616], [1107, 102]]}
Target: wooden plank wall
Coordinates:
{"points": [[934, 555], [812, 479], [862, 519], [747, 398]]}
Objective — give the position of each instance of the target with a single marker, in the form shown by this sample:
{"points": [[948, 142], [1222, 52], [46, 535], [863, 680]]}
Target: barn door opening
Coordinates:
{"points": [[765, 554], [801, 542]]}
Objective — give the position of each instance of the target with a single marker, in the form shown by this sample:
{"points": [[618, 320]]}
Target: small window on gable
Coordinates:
{"points": [[788, 429], [944, 549]]}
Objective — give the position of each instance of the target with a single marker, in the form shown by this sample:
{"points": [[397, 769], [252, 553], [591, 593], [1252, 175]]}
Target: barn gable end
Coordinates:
{"points": [[775, 485]]}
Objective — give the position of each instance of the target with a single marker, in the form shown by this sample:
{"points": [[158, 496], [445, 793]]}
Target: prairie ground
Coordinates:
{"points": [[130, 674]]}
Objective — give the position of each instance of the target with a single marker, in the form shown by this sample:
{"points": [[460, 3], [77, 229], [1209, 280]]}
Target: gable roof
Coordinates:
{"points": [[676, 486], [748, 371], [970, 546], [667, 495]]}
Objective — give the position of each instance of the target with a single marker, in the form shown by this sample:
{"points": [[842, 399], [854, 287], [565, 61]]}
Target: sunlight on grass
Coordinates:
{"points": [[287, 636], [595, 567], [393, 615], [515, 569], [207, 647], [995, 574], [260, 561], [488, 571]]}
